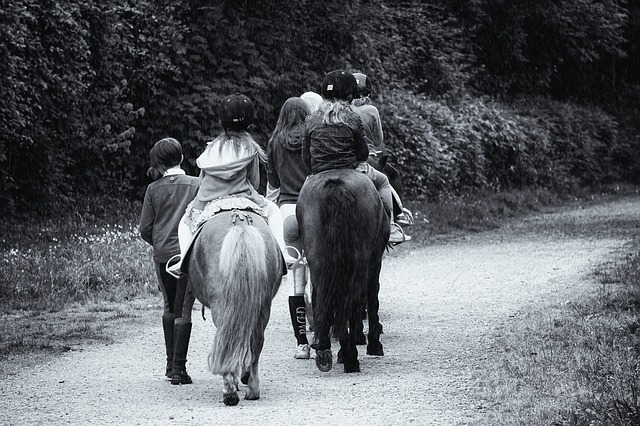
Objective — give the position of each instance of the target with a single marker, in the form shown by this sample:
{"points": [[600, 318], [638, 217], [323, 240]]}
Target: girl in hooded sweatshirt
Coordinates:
{"points": [[229, 176], [286, 172]]}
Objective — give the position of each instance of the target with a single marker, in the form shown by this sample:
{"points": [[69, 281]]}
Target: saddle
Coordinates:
{"points": [[197, 218]]}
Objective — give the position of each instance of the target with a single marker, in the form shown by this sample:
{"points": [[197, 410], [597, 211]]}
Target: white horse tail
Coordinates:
{"points": [[244, 284]]}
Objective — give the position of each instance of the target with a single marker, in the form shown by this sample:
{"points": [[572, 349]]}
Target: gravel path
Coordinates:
{"points": [[440, 306]]}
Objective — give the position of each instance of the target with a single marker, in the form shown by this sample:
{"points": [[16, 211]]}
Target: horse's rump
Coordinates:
{"points": [[344, 228], [235, 271]]}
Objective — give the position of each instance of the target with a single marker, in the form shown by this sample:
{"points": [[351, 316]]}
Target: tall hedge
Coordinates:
{"points": [[88, 86]]}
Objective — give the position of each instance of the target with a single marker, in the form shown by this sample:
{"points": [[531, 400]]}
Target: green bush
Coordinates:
{"points": [[88, 87], [478, 143]]}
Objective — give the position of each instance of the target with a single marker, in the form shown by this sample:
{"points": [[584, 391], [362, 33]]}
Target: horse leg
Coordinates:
{"points": [[374, 347], [361, 339], [322, 339], [348, 344], [343, 339], [253, 392], [230, 395], [324, 356], [257, 342], [245, 377]]}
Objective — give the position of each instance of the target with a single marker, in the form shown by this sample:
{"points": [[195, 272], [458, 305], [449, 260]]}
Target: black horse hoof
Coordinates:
{"points": [[324, 360], [245, 378], [231, 399], [352, 367], [375, 350]]}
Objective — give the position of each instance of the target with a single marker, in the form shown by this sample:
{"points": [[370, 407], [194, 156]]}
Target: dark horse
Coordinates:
{"points": [[344, 228], [235, 269]]}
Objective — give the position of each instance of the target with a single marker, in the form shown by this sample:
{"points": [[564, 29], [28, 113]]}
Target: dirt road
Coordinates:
{"points": [[440, 307]]}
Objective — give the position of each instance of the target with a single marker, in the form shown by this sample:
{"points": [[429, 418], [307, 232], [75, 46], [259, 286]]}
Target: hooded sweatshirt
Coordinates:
{"points": [[286, 168], [228, 168]]}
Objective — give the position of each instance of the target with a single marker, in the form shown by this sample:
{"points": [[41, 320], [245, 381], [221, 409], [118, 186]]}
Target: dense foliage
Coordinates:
{"points": [[474, 94]]}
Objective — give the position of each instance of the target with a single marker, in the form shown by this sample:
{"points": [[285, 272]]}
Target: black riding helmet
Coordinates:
{"points": [[236, 112], [339, 84], [364, 84]]}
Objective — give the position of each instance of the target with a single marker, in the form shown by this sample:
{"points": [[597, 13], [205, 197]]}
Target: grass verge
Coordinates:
{"points": [[575, 363]]}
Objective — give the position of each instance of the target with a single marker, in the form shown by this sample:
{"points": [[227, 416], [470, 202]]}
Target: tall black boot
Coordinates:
{"points": [[178, 301], [298, 312], [167, 328], [181, 336]]}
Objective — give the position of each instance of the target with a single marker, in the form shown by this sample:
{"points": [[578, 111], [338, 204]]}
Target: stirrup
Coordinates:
{"points": [[173, 261], [405, 237], [300, 260], [405, 218]]}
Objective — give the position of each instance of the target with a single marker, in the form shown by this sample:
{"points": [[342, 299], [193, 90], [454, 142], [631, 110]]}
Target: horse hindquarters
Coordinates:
{"points": [[241, 280], [338, 212]]}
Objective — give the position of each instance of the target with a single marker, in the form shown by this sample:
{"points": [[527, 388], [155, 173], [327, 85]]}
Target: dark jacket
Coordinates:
{"points": [[286, 169], [165, 201], [331, 146]]}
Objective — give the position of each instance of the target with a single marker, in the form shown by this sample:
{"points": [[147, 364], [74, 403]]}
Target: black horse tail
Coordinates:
{"points": [[338, 206]]}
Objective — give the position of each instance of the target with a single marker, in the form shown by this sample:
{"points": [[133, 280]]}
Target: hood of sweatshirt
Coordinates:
{"points": [[293, 139], [224, 165]]}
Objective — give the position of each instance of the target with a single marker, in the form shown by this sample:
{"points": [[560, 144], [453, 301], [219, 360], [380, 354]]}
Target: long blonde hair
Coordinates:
{"points": [[334, 111]]}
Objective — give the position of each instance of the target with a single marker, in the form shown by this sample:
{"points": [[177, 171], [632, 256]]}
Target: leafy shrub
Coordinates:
{"points": [[478, 143], [564, 47], [89, 86]]}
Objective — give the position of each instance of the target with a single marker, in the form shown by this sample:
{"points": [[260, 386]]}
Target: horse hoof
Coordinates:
{"points": [[324, 360], [375, 350], [361, 339], [352, 367], [231, 399], [251, 397], [245, 378]]}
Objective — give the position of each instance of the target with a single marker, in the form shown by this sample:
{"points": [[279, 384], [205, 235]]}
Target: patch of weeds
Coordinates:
{"points": [[114, 264], [572, 364]]}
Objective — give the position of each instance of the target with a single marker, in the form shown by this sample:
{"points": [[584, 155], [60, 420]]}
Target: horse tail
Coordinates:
{"points": [[243, 281], [337, 205]]}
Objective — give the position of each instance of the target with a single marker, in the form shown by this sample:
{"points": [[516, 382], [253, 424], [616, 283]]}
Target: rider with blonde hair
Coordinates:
{"points": [[334, 138]]}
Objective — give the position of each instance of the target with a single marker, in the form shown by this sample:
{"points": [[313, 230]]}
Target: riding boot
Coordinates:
{"points": [[182, 334], [167, 328], [298, 312], [181, 287]]}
